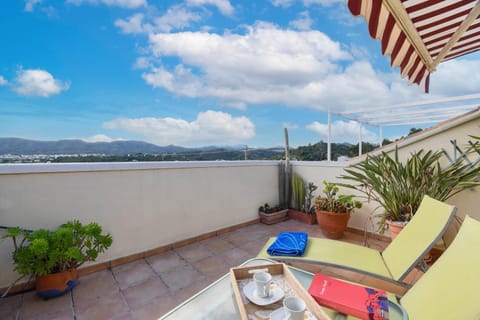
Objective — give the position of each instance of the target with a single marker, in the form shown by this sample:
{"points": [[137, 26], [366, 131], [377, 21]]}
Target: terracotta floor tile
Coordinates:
{"points": [[194, 252], [185, 293], [95, 285], [217, 244], [165, 261], [155, 309], [108, 307], [181, 277], [212, 267], [144, 292], [10, 306], [148, 288], [127, 266], [235, 257], [55, 315], [34, 307], [136, 274]]}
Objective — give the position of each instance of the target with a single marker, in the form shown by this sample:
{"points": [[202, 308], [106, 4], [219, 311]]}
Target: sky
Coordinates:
{"points": [[199, 72]]}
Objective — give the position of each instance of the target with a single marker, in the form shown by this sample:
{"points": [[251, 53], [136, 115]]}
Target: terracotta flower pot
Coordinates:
{"points": [[274, 217], [56, 284], [332, 224], [394, 227], [302, 216]]}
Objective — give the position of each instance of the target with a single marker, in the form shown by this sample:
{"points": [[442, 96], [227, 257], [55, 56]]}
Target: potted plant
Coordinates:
{"points": [[271, 215], [302, 200], [52, 257], [398, 187], [333, 211]]}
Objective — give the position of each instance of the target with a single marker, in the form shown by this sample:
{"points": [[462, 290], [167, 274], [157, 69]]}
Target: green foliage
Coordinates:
{"points": [[335, 203], [302, 194], [266, 208], [43, 251], [298, 188], [399, 187]]}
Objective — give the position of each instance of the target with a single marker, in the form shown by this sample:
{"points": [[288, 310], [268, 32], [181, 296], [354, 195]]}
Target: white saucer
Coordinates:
{"points": [[279, 314], [276, 294]]}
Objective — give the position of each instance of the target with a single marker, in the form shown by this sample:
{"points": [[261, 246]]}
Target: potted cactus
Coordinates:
{"points": [[302, 195], [333, 210], [52, 257]]}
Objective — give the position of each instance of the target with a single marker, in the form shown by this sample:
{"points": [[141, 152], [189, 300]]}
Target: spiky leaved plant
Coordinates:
{"points": [[399, 186]]}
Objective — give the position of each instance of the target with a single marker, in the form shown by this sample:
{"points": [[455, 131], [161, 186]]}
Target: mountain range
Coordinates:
{"points": [[18, 146]]}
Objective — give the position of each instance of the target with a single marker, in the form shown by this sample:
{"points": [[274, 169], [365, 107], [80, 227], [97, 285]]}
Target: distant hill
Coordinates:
{"points": [[17, 146]]}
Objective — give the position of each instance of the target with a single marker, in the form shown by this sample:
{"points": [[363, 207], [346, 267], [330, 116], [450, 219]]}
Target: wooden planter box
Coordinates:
{"points": [[302, 216], [274, 217]]}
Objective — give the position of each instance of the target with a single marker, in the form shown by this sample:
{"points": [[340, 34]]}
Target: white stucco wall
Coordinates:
{"points": [[143, 205]]}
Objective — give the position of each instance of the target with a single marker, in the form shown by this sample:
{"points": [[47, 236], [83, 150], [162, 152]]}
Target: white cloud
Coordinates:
{"points": [[209, 127], [100, 138], [269, 65], [30, 5], [343, 131], [224, 6], [37, 82], [3, 81], [176, 17], [304, 22], [288, 3], [325, 3], [282, 3], [131, 25], [130, 4], [458, 75]]}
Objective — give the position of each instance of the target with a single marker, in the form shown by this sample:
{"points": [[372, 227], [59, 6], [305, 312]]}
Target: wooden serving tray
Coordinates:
{"points": [[282, 277]]}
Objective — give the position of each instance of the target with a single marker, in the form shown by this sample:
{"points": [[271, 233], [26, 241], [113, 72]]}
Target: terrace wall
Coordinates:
{"points": [[143, 205]]}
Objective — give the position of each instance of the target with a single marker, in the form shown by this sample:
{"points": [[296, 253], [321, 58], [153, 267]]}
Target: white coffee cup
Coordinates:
{"points": [[294, 308], [262, 283]]}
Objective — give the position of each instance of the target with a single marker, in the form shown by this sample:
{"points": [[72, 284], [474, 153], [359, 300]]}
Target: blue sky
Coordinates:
{"points": [[198, 72]]}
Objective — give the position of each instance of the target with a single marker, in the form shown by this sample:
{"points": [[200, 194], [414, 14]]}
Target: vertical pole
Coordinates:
{"points": [[329, 141], [246, 149], [360, 140], [287, 173], [381, 137]]}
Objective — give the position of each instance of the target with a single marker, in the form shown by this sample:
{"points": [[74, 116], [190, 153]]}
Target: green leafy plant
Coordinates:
{"points": [[266, 208], [399, 186], [332, 202], [44, 252], [302, 194]]}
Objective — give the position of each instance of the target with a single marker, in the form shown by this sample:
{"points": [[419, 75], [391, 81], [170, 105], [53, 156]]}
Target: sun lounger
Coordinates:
{"points": [[394, 263]]}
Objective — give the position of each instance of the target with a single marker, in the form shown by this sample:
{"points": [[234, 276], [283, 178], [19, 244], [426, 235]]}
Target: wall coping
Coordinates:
{"points": [[25, 168]]}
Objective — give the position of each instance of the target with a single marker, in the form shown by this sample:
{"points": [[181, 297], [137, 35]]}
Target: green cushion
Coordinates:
{"points": [[418, 237], [450, 288], [337, 253]]}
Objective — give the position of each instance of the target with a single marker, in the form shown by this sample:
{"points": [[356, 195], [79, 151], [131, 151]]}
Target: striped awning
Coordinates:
{"points": [[420, 34]]}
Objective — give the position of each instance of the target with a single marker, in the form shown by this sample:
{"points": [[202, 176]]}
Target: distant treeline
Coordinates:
{"points": [[315, 152]]}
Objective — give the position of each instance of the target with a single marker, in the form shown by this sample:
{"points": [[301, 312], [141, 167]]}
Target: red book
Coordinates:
{"points": [[348, 298]]}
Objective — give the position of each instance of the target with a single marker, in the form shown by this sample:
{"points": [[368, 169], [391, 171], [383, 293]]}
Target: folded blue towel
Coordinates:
{"points": [[289, 244]]}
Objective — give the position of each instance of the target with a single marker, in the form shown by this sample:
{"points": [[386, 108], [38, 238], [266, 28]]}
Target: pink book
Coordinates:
{"points": [[348, 298]]}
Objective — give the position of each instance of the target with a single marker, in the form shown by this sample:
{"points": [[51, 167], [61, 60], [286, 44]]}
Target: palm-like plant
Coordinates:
{"points": [[399, 187]]}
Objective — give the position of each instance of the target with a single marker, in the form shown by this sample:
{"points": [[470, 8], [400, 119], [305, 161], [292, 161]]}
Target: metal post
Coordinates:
{"points": [[360, 140], [381, 137], [329, 141]]}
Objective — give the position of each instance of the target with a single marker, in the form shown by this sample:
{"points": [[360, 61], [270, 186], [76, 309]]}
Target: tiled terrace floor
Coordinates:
{"points": [[148, 288]]}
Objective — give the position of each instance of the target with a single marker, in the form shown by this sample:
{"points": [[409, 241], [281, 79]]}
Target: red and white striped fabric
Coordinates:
{"points": [[420, 34]]}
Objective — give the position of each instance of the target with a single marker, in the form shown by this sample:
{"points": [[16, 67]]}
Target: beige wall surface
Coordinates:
{"points": [[142, 209], [316, 172]]}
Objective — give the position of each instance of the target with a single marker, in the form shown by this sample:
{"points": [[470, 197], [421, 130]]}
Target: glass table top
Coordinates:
{"points": [[217, 301]]}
